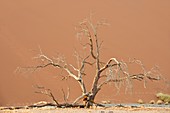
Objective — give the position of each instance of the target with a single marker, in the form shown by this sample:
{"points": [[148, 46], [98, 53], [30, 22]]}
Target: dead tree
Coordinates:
{"points": [[113, 70]]}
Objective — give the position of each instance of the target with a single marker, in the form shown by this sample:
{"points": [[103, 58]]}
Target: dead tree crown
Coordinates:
{"points": [[113, 70]]}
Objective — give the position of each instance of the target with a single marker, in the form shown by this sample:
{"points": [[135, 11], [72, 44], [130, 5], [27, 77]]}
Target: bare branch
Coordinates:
{"points": [[79, 98], [83, 63], [100, 44], [84, 28], [108, 64], [66, 96], [147, 74], [68, 93], [47, 92], [122, 68]]}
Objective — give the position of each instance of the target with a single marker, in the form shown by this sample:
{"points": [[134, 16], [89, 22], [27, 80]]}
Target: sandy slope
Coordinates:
{"points": [[138, 28]]}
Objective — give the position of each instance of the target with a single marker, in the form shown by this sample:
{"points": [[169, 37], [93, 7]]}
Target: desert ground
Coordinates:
{"points": [[94, 110]]}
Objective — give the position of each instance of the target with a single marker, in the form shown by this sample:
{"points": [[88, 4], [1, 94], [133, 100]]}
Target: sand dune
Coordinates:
{"points": [[139, 29]]}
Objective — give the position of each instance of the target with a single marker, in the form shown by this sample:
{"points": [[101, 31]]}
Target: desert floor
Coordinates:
{"points": [[92, 110]]}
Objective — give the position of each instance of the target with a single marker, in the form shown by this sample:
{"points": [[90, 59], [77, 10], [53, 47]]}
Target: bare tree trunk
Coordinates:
{"points": [[90, 101]]}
